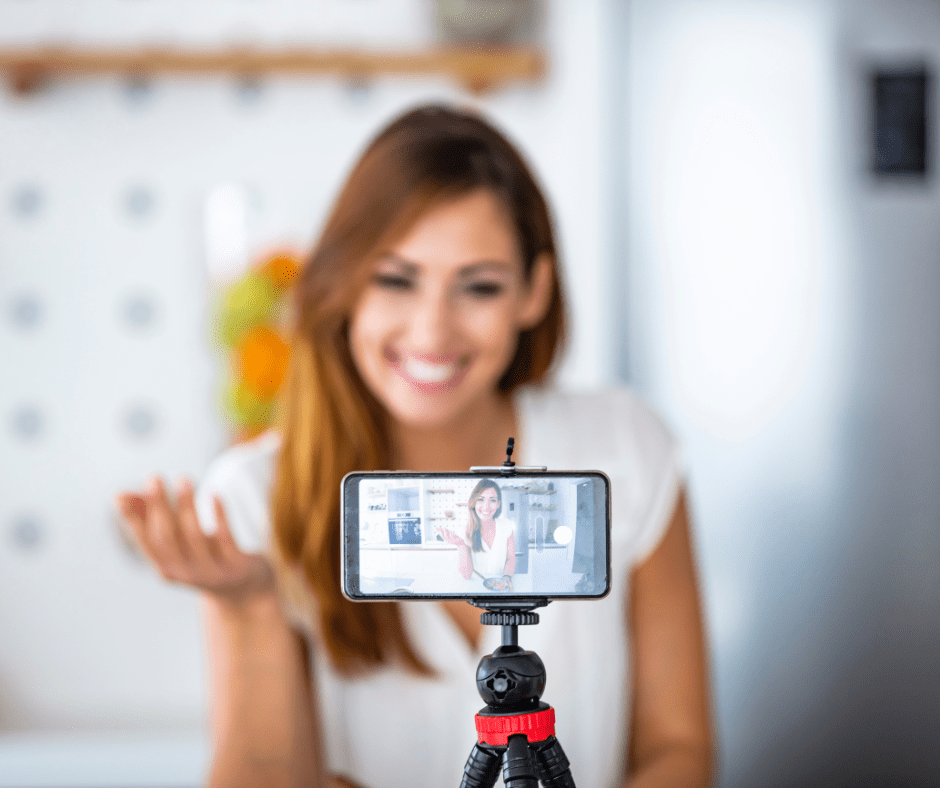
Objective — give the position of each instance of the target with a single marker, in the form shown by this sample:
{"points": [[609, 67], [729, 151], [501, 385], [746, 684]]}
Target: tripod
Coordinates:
{"points": [[515, 730]]}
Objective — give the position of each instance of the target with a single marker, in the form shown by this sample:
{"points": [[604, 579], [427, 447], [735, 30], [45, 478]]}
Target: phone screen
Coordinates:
{"points": [[432, 535]]}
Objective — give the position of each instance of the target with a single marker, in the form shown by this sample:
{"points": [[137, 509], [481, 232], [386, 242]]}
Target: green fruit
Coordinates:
{"points": [[244, 406], [246, 304]]}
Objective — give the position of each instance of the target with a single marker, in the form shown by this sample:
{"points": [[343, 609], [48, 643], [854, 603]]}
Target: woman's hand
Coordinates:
{"points": [[171, 537], [503, 583], [450, 536]]}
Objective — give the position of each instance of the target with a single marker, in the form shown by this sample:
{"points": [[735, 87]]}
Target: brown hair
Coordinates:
{"points": [[473, 526], [329, 421]]}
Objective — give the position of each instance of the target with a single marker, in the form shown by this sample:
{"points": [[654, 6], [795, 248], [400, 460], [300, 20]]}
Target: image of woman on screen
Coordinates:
{"points": [[489, 547]]}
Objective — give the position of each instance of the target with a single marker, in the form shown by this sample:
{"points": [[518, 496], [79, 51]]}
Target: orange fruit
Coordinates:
{"points": [[261, 361], [281, 269]]}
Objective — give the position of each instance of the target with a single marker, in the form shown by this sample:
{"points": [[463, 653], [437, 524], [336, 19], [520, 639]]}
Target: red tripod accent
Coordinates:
{"points": [[536, 726]]}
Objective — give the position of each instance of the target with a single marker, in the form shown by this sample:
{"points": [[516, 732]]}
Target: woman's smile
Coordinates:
{"points": [[429, 373]]}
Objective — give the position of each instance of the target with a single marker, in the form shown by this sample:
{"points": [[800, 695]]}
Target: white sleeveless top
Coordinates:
{"points": [[394, 730], [491, 561]]}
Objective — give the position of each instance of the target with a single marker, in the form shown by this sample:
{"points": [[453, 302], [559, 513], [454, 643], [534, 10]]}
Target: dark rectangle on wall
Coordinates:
{"points": [[900, 124]]}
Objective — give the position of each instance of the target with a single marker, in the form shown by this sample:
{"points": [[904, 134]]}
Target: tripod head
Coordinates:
{"points": [[510, 679]]}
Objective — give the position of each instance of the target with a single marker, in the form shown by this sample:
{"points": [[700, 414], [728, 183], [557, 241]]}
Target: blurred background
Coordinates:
{"points": [[749, 218]]}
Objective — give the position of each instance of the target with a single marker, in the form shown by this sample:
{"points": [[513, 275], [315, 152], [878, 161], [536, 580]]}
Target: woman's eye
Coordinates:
{"points": [[485, 289], [392, 282]]}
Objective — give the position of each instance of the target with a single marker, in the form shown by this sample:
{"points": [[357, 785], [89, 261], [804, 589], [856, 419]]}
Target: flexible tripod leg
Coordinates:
{"points": [[520, 769], [554, 769], [482, 767]]}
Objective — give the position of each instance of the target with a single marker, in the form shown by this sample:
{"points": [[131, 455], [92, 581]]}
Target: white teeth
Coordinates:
{"points": [[429, 373]]}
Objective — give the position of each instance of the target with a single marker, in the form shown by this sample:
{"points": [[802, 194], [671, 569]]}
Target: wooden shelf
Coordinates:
{"points": [[478, 69]]}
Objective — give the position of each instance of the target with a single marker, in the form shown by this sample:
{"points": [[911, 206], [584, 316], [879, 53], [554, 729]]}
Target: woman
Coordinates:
{"points": [[489, 548], [427, 318]]}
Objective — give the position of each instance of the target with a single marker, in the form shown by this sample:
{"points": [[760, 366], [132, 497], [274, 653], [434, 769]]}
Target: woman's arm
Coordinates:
{"points": [[510, 555], [672, 740], [464, 561], [263, 722], [264, 726]]}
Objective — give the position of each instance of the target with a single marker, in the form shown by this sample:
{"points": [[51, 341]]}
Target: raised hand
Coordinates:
{"points": [[170, 536], [450, 536]]}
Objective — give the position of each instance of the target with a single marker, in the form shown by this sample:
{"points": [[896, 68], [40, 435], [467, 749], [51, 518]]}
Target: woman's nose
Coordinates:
{"points": [[430, 323]]}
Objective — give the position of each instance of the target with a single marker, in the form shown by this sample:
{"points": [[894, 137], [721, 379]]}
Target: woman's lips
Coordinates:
{"points": [[427, 372], [430, 375]]}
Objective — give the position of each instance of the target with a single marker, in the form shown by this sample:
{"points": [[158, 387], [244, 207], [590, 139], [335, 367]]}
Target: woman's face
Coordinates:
{"points": [[487, 504], [437, 325]]}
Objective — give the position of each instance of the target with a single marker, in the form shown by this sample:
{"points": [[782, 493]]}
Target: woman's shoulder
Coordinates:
{"points": [[615, 417], [614, 430], [246, 466], [248, 454], [240, 476], [586, 402]]}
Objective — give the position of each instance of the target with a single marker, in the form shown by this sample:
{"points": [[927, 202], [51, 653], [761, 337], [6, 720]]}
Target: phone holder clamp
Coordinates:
{"points": [[508, 468]]}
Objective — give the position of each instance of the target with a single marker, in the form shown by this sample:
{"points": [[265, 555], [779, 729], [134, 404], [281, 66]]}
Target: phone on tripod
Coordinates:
{"points": [[528, 534]]}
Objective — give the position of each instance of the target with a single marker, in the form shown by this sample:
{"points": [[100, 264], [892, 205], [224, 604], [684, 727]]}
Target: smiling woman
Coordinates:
{"points": [[487, 546], [427, 319]]}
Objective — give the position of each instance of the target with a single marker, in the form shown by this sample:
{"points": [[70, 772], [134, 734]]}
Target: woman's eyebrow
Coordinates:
{"points": [[486, 265], [470, 269], [407, 265]]}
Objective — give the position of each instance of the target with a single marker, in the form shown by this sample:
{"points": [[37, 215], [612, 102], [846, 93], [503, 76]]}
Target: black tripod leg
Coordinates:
{"points": [[482, 768], [519, 767], [554, 768]]}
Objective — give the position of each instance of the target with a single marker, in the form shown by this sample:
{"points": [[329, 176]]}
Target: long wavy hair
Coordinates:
{"points": [[328, 420], [474, 524]]}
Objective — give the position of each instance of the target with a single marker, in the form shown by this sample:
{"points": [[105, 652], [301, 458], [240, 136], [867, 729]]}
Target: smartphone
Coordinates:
{"points": [[526, 535]]}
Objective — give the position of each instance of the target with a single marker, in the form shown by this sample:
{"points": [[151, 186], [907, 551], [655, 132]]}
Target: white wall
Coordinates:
{"points": [[782, 314], [91, 638]]}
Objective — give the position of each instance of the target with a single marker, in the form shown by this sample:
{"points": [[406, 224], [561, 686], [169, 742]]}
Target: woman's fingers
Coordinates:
{"points": [[197, 544], [225, 544], [162, 532], [133, 509]]}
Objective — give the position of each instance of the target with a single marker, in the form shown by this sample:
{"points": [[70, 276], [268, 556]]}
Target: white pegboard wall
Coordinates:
{"points": [[104, 319], [455, 501], [438, 504]]}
